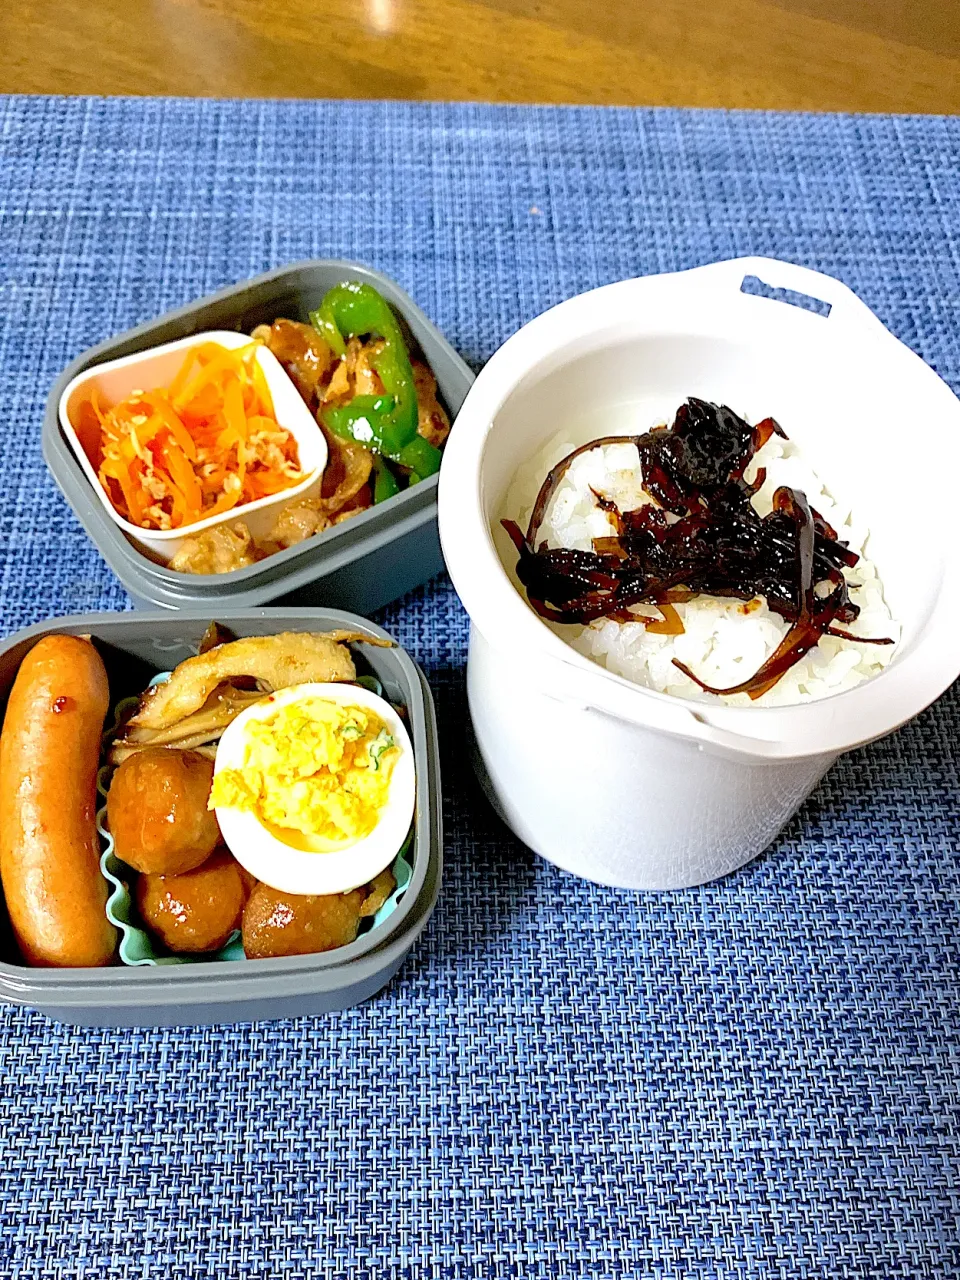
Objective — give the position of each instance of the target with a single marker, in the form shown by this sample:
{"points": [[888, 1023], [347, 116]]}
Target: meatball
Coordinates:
{"points": [[293, 924], [157, 811], [195, 911]]}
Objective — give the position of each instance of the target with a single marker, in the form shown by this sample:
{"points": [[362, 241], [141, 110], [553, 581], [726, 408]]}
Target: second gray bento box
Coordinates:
{"points": [[136, 646], [361, 564]]}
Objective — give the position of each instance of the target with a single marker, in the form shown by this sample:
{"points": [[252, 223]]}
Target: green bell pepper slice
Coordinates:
{"points": [[387, 424], [385, 485]]}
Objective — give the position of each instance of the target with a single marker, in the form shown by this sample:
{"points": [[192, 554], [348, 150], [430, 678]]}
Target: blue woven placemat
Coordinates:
{"points": [[757, 1078]]}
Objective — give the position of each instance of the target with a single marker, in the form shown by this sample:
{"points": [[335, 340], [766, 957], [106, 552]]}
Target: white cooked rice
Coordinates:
{"points": [[724, 641]]}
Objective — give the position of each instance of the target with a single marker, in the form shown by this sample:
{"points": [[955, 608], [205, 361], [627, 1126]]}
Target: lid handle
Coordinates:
{"points": [[843, 302]]}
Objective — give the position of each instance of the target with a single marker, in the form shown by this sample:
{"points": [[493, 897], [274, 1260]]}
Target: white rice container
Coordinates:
{"points": [[621, 784]]}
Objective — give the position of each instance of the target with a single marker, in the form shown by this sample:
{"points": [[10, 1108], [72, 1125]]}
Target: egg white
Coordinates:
{"points": [[291, 870]]}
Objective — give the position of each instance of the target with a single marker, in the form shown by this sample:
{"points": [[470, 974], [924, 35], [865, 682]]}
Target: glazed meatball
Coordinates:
{"points": [[293, 924], [195, 911], [157, 811]]}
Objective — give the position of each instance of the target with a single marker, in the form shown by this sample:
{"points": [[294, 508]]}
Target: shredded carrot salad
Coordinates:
{"points": [[205, 444]]}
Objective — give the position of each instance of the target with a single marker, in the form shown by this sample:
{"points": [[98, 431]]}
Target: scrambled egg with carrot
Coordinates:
{"points": [[314, 767]]}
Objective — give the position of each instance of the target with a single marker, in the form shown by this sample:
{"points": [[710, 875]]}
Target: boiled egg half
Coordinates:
{"points": [[314, 787]]}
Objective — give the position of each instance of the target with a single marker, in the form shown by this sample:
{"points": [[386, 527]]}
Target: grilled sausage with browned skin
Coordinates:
{"points": [[49, 851]]}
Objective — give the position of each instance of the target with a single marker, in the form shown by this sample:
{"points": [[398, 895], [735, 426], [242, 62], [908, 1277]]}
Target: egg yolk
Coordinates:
{"points": [[314, 767]]}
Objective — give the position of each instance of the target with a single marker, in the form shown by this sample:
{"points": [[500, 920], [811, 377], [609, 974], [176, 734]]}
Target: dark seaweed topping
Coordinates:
{"points": [[704, 538]]}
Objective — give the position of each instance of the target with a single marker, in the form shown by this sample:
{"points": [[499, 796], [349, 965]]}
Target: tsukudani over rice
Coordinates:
{"points": [[724, 640]]}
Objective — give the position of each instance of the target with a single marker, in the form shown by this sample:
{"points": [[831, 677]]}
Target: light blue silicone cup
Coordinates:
{"points": [[136, 945]]}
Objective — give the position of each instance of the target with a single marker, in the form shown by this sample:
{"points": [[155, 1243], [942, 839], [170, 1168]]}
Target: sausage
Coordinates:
{"points": [[49, 850]]}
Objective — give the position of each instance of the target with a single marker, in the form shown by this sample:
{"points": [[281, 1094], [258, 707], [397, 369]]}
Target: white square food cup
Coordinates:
{"points": [[156, 368]]}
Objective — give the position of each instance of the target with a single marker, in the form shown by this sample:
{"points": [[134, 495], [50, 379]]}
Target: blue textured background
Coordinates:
{"points": [[757, 1078]]}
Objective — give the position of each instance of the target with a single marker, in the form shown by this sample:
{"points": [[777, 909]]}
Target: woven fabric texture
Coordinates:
{"points": [[755, 1078]]}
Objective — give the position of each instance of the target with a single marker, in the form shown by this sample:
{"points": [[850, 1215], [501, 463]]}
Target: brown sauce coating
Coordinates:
{"points": [[292, 924], [196, 911], [157, 811], [249, 881]]}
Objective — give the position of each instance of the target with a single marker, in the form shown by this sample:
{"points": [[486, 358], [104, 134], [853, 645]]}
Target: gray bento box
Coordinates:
{"points": [[136, 646], [361, 564]]}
